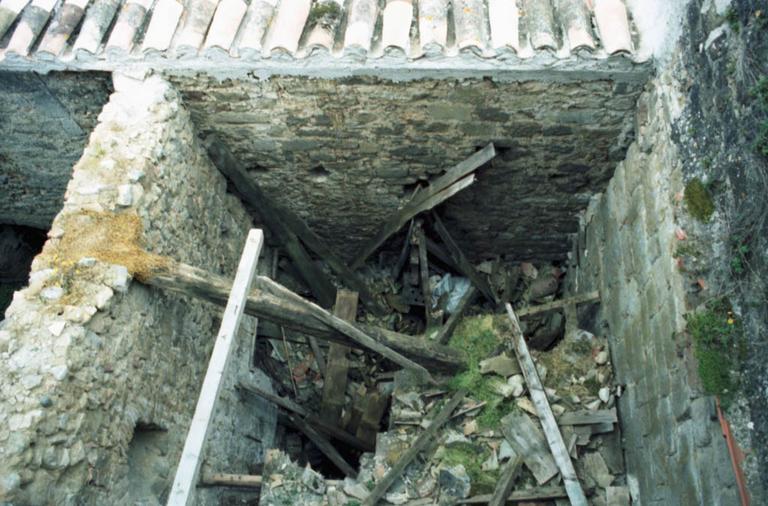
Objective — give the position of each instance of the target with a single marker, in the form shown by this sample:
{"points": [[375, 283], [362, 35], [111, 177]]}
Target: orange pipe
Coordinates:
{"points": [[737, 456]]}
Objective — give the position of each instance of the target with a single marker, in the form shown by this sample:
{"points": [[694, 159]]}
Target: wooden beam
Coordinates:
{"points": [[465, 267], [587, 417], [534, 494], [231, 480], [546, 417], [191, 456], [506, 481], [421, 243], [289, 228], [438, 252], [528, 441], [301, 316], [557, 304], [290, 406], [421, 442], [335, 385], [446, 331], [324, 446], [439, 190], [376, 405]]}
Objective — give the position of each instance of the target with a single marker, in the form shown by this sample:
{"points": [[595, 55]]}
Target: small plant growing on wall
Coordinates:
{"points": [[699, 201]]}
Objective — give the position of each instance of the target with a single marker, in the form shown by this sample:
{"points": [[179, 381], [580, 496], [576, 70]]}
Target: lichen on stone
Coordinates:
{"points": [[699, 201]]}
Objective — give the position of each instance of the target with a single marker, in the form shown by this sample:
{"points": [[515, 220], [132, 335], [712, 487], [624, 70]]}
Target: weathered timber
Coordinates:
{"points": [[439, 190], [302, 316], [230, 480], [528, 441], [446, 331], [324, 446], [185, 479], [398, 268], [375, 406], [546, 417], [335, 385], [587, 417], [421, 442], [290, 406], [438, 252], [290, 229], [424, 274], [557, 304], [536, 494], [506, 481], [464, 264]]}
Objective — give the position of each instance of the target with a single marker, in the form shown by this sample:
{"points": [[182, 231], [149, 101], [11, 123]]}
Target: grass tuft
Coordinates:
{"points": [[698, 200]]}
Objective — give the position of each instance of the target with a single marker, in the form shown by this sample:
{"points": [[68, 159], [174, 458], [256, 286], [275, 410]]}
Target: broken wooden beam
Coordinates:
{"points": [[439, 190], [528, 441], [446, 331], [335, 383], [534, 494], [290, 406], [587, 417], [506, 481], [465, 267], [290, 229], [438, 252], [426, 291], [544, 410], [557, 304], [324, 446], [231, 480], [416, 447], [295, 313], [375, 406]]}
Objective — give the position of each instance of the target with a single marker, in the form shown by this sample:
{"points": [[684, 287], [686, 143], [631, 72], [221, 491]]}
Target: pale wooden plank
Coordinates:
{"points": [[546, 417], [587, 417], [335, 385], [529, 442], [231, 480], [557, 304], [191, 456]]}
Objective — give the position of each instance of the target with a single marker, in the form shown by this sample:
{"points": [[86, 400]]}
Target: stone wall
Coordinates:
{"points": [[45, 123], [674, 449], [345, 153], [101, 373]]}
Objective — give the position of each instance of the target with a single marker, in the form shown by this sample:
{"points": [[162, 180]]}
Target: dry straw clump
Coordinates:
{"points": [[114, 238]]}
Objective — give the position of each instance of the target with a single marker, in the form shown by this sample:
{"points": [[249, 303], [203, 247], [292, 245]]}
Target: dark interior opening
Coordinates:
{"points": [[18, 247]]}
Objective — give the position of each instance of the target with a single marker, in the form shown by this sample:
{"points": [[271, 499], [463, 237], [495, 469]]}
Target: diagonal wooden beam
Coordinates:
{"points": [[335, 383], [292, 231], [324, 446], [506, 481], [441, 189], [465, 266]]}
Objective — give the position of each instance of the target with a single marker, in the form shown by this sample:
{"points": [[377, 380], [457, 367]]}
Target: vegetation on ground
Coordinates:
{"points": [[698, 200], [472, 458]]}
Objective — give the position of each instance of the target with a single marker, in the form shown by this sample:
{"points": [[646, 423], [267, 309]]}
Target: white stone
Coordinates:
{"points": [[135, 175], [593, 405], [604, 394], [52, 293], [557, 409], [505, 451], [542, 370], [502, 388], [30, 381], [602, 357], [517, 383], [86, 262], [124, 195], [355, 489], [57, 327], [9, 483], [90, 189], [491, 463], [118, 278], [103, 296], [59, 372], [40, 276]]}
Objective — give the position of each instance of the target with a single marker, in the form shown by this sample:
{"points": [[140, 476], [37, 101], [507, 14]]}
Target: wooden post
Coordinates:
{"points": [[335, 385], [547, 418], [421, 243], [191, 456]]}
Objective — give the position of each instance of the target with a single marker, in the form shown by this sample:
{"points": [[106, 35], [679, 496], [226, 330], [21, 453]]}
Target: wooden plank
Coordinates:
{"points": [[587, 417], [288, 405], [438, 252], [546, 417], [421, 243], [529, 442], [421, 442], [465, 266], [191, 456], [557, 304], [446, 331], [335, 385], [535, 494], [300, 316], [506, 481], [290, 228], [324, 446], [376, 405], [438, 191], [230, 480]]}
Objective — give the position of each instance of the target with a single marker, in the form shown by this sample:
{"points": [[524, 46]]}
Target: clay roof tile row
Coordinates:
{"points": [[300, 29]]}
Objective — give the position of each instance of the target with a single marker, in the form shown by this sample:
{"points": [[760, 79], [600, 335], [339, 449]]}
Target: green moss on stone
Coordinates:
{"points": [[472, 458], [717, 344], [698, 200]]}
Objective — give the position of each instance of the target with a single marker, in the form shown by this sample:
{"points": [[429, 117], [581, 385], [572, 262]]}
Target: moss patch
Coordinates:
{"points": [[698, 201], [480, 337], [472, 458], [718, 347]]}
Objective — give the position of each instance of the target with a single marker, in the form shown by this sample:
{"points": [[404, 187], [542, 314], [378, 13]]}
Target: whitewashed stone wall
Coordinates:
{"points": [[88, 355]]}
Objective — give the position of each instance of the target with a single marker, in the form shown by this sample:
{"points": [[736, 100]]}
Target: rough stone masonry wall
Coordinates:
{"points": [[44, 125], [101, 373], [675, 452], [347, 152]]}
